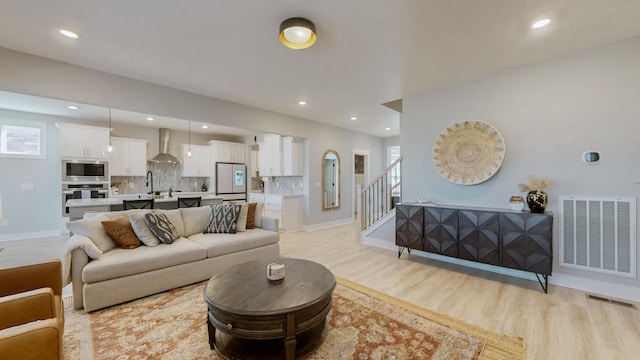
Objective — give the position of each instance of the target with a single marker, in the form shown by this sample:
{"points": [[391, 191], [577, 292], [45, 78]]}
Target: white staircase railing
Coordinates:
{"points": [[381, 195]]}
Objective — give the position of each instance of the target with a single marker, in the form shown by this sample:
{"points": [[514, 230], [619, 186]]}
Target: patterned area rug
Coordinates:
{"points": [[363, 324]]}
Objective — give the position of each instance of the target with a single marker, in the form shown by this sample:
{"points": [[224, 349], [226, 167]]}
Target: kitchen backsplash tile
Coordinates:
{"points": [[165, 176], [284, 185]]}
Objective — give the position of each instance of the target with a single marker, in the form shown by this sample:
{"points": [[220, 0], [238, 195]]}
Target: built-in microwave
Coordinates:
{"points": [[85, 170]]}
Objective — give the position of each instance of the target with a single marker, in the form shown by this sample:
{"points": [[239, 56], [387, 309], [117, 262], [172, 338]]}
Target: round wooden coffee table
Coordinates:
{"points": [[257, 318]]}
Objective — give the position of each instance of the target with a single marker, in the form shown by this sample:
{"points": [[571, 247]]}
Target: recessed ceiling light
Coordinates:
{"points": [[540, 23], [387, 128], [72, 107], [69, 34], [150, 118], [205, 127], [302, 102], [353, 118]]}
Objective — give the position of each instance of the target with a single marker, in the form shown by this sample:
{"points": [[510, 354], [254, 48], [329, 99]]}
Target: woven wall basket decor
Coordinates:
{"points": [[468, 152]]}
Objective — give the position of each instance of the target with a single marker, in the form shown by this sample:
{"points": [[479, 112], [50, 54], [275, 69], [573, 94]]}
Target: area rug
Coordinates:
{"points": [[363, 324]]}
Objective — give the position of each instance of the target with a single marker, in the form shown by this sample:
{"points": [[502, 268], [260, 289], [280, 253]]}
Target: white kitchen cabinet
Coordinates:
{"points": [[292, 157], [198, 164], [255, 163], [130, 158], [82, 141], [256, 197], [286, 208], [223, 151], [271, 155]]}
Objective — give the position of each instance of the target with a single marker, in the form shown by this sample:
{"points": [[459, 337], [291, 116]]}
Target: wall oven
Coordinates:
{"points": [[82, 191], [85, 170]]}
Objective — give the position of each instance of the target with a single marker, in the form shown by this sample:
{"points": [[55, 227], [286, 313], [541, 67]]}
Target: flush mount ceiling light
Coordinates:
{"points": [[205, 127], [72, 107], [302, 102], [149, 118], [297, 33], [353, 118]]}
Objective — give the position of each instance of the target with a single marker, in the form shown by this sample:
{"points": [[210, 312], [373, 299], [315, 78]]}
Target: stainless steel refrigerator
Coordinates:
{"points": [[231, 181]]}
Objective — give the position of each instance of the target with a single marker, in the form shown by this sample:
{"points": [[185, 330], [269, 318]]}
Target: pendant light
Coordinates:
{"points": [[189, 150], [109, 150]]}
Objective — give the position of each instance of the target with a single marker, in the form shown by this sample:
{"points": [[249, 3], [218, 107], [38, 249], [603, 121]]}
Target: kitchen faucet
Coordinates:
{"points": [[150, 183]]}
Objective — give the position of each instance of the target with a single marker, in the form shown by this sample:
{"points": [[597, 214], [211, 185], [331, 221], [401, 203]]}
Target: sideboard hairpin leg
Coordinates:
{"points": [[544, 286], [401, 250]]}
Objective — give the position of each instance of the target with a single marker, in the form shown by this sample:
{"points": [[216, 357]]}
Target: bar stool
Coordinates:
{"points": [[184, 202], [137, 204]]}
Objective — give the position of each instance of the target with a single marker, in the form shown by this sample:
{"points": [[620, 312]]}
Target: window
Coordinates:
{"points": [[23, 139]]}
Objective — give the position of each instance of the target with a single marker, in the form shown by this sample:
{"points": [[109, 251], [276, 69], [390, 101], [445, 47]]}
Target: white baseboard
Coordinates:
{"points": [[30, 235], [596, 287], [329, 224]]}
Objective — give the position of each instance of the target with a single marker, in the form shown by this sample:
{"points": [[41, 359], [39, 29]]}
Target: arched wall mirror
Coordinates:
{"points": [[330, 180]]}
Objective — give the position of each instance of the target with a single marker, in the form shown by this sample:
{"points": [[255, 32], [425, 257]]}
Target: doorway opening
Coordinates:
{"points": [[360, 179]]}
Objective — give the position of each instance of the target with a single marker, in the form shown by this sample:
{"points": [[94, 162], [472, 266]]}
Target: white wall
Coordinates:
{"points": [[33, 75], [549, 114]]}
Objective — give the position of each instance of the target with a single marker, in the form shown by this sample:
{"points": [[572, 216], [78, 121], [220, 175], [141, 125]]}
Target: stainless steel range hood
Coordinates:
{"points": [[164, 157]]}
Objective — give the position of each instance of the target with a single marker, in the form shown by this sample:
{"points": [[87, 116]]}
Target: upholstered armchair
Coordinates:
{"points": [[31, 311]]}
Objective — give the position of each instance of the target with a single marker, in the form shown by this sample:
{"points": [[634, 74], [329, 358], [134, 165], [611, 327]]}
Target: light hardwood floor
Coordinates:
{"points": [[562, 324]]}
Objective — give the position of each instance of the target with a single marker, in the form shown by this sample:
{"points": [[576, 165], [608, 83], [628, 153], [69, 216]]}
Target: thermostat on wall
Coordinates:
{"points": [[591, 157]]}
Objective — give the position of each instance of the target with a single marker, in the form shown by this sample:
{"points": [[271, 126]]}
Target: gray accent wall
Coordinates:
{"points": [[33, 75], [549, 114]]}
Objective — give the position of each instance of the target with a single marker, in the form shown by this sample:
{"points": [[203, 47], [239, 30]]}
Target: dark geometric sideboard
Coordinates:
{"points": [[512, 239]]}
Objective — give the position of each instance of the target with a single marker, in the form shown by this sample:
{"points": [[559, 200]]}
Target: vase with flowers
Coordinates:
{"points": [[536, 197]]}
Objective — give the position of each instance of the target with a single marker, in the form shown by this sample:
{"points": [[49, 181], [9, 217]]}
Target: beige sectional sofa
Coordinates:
{"points": [[103, 275]]}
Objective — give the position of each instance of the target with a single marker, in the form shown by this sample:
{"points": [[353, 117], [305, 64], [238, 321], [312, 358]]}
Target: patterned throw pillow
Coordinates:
{"points": [[222, 219], [161, 226]]}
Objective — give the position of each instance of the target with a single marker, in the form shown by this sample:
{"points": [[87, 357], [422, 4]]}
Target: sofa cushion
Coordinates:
{"points": [[120, 262], [258, 215], [161, 226], [120, 230], [222, 244], [92, 228], [141, 228], [222, 219], [243, 215], [195, 219]]}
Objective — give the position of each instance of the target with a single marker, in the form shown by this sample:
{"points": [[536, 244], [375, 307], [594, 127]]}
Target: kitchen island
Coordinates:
{"points": [[78, 207]]}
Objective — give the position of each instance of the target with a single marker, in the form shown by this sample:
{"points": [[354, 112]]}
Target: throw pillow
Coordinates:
{"points": [[259, 213], [222, 219], [140, 227], [92, 228], [120, 230], [241, 223], [195, 219], [175, 216], [251, 216], [161, 226]]}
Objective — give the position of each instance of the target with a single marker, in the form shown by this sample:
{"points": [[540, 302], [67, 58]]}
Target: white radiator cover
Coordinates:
{"points": [[598, 234]]}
